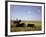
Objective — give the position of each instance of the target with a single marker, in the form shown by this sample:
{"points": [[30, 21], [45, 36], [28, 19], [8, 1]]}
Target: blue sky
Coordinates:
{"points": [[24, 12]]}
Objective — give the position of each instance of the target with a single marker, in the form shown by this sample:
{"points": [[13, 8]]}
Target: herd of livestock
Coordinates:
{"points": [[18, 24]]}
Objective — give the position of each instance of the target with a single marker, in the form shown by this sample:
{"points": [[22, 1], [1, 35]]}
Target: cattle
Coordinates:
{"points": [[20, 25], [30, 25]]}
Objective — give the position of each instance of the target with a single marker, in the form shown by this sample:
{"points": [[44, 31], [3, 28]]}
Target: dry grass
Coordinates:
{"points": [[37, 26]]}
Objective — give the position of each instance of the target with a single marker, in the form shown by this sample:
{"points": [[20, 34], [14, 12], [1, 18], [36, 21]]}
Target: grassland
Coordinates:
{"points": [[37, 27]]}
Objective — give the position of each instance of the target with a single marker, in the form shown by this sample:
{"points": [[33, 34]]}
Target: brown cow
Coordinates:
{"points": [[30, 25]]}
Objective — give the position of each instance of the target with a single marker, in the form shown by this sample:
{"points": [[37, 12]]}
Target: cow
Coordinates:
{"points": [[20, 25], [30, 25]]}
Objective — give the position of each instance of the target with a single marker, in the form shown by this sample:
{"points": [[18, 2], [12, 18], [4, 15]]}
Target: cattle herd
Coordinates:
{"points": [[18, 24]]}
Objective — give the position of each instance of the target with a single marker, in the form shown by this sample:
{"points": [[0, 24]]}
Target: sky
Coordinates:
{"points": [[25, 12]]}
